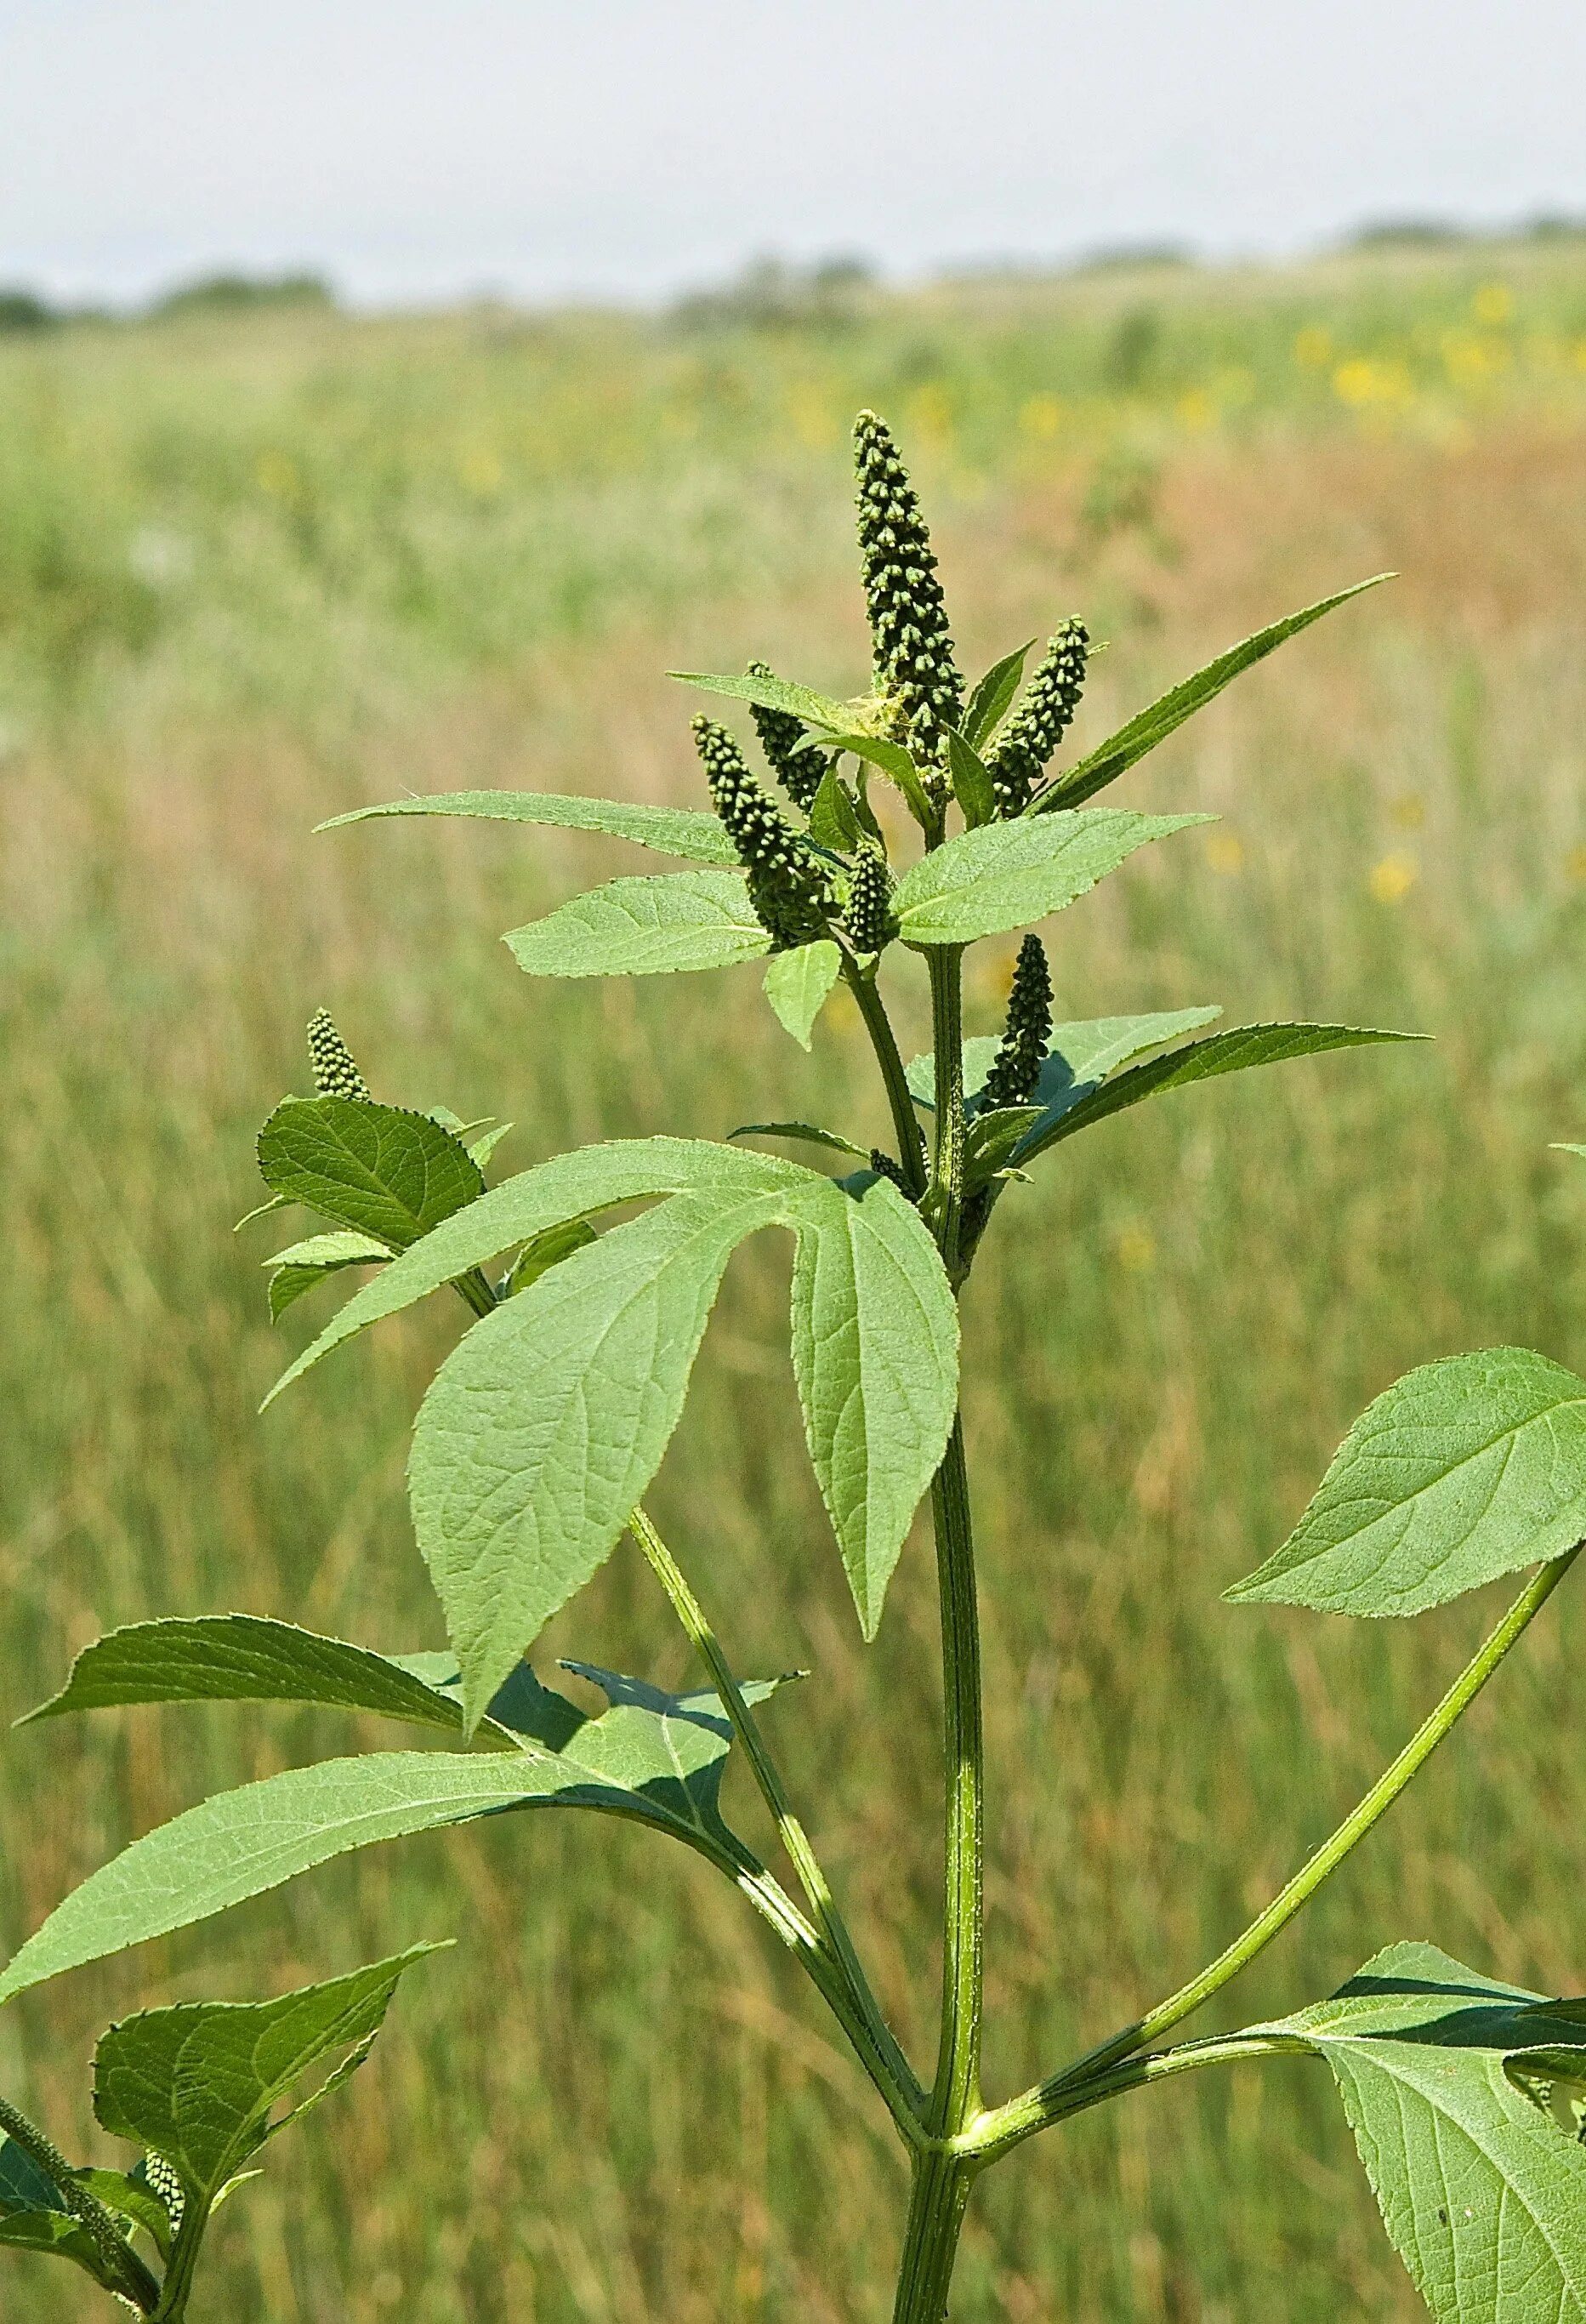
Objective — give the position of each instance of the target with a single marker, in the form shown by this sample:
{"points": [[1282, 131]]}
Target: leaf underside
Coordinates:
{"points": [[679, 921]]}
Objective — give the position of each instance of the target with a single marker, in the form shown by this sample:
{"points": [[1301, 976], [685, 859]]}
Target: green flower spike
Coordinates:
{"points": [[1041, 719], [867, 914], [334, 1073], [787, 886], [908, 615], [797, 767], [1017, 1064]]}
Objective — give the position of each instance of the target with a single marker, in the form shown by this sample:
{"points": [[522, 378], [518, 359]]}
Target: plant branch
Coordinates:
{"points": [[132, 2278], [1298, 1893], [945, 964], [956, 2095], [177, 2288], [829, 1919], [905, 1122], [996, 2134]]}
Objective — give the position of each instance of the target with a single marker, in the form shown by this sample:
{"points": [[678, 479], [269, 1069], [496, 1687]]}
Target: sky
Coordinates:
{"points": [[627, 149]]}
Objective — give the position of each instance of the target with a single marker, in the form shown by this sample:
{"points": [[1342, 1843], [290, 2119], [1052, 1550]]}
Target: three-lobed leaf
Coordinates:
{"points": [[1008, 874], [657, 927], [694, 833], [1463, 1470], [1164, 716], [378, 1170], [198, 2084]]}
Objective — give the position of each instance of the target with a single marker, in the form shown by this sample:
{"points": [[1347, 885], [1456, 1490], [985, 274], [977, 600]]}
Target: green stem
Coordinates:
{"points": [[997, 2133], [178, 2287], [1044, 2103], [956, 2095], [937, 2202], [945, 964], [829, 1919], [100, 2224], [905, 1122]]}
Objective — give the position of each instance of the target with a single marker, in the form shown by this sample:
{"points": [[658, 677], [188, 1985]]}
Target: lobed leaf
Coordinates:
{"points": [[377, 1169], [1483, 2196], [1164, 716], [1008, 874], [694, 833], [661, 1768], [1461, 1471], [680, 921], [798, 984]]}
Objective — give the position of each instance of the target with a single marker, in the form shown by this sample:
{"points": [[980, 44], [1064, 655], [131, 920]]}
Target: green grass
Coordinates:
{"points": [[253, 572]]}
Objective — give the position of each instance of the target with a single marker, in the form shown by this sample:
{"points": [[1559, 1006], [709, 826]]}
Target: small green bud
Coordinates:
{"points": [[1041, 719], [166, 2183], [334, 1073], [788, 887], [1016, 1067], [908, 614], [867, 914], [796, 764]]}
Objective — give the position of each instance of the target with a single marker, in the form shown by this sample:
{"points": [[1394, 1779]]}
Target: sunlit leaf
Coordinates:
{"points": [[692, 832], [376, 1169], [681, 920], [1009, 874], [798, 984]]}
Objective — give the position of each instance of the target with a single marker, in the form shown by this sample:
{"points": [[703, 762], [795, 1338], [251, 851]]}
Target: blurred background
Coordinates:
{"points": [[388, 398]]}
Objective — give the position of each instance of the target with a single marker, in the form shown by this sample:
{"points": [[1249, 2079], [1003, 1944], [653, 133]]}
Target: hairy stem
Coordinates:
{"points": [[828, 1918], [996, 2134], [905, 1122], [956, 2095], [946, 1026], [938, 2199], [100, 2224], [1045, 2103]]}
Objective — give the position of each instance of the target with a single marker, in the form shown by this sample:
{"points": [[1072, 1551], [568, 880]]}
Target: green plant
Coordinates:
{"points": [[545, 1426]]}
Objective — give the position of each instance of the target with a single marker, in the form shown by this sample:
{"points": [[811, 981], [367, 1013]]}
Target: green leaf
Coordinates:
{"points": [[834, 822], [993, 698], [875, 1356], [1152, 725], [894, 761], [198, 2084], [645, 927], [1079, 1058], [992, 1140], [798, 984], [130, 2193], [775, 694], [547, 1249], [1569, 1149], [971, 781], [692, 832], [1483, 2195], [33, 2216], [1074, 1109], [808, 1132], [1461, 1471], [1011, 874], [660, 1767], [549, 1419], [305, 1264], [377, 1169], [481, 1149]]}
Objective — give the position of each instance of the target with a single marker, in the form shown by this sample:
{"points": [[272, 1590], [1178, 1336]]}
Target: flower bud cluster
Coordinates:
{"points": [[1041, 719], [867, 914], [788, 887], [796, 764], [1016, 1067], [908, 614], [334, 1073]]}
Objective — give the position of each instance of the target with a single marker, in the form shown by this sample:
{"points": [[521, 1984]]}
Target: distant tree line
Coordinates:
{"points": [[24, 311]]}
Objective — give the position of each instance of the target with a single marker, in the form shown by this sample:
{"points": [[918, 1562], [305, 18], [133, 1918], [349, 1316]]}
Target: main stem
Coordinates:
{"points": [[942, 2179]]}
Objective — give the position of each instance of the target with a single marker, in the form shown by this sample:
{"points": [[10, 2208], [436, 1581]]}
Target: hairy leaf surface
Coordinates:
{"points": [[1164, 716], [376, 1169], [692, 832], [1008, 874], [993, 698], [1461, 1471], [657, 927]]}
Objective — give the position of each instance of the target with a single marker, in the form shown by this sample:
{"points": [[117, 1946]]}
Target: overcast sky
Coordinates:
{"points": [[417, 149]]}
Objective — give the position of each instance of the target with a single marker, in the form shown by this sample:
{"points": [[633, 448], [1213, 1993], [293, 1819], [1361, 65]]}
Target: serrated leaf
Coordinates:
{"points": [[893, 760], [547, 1422], [1461, 1471], [1484, 2197], [130, 2193], [680, 921], [547, 1249], [993, 696], [377, 1169], [1079, 1058], [971, 780], [809, 1133], [661, 1770], [798, 984], [298, 1269], [198, 2084], [1233, 1052], [834, 822], [690, 832], [774, 693], [1164, 716], [1009, 874], [875, 1356]]}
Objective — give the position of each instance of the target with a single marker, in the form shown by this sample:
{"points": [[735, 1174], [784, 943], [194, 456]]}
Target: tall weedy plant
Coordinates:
{"points": [[545, 1426]]}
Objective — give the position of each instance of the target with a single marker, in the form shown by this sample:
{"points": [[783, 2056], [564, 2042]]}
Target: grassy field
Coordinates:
{"points": [[252, 573]]}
